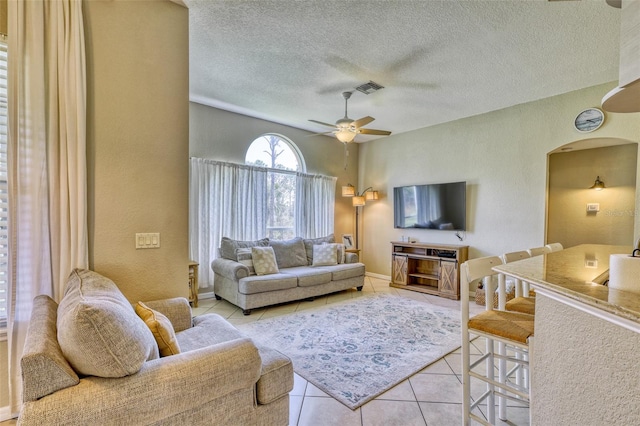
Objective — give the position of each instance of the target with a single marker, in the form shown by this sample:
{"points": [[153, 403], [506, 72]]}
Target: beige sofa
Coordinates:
{"points": [[297, 277], [92, 360]]}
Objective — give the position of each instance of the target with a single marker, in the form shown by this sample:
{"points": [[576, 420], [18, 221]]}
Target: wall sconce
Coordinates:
{"points": [[359, 200], [598, 185]]}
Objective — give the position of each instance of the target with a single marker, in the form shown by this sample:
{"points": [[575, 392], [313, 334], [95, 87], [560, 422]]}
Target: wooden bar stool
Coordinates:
{"points": [[514, 330]]}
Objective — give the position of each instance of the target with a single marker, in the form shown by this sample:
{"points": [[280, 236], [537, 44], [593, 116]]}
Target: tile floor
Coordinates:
{"points": [[431, 397]]}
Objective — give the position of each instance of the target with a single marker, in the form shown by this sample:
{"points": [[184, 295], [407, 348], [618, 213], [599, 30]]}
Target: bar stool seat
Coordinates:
{"points": [[514, 326], [525, 305]]}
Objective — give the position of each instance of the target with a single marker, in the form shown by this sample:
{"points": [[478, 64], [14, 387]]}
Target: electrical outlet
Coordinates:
{"points": [[147, 240]]}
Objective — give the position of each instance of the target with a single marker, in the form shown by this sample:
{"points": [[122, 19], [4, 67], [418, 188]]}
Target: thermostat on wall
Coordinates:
{"points": [[593, 207]]}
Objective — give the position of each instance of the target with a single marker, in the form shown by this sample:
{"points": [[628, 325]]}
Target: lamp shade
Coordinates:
{"points": [[598, 185], [348, 190], [358, 201], [371, 195]]}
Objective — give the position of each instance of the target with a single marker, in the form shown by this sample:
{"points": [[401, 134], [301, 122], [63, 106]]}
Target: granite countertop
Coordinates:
{"points": [[578, 273]]}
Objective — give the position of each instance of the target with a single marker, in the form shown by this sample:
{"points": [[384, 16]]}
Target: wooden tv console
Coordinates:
{"points": [[428, 268]]}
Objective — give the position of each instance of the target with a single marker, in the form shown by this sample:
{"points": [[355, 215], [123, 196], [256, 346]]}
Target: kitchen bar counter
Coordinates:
{"points": [[584, 355], [577, 274]]}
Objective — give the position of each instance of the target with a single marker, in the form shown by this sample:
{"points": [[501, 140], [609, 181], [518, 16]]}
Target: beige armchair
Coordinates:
{"points": [[219, 376]]}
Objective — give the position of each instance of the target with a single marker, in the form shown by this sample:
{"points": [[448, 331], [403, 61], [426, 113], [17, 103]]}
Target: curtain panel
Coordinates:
{"points": [[226, 200], [315, 205], [46, 160], [230, 200]]}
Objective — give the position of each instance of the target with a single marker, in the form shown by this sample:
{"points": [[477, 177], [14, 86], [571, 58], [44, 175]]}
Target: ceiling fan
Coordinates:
{"points": [[346, 129]]}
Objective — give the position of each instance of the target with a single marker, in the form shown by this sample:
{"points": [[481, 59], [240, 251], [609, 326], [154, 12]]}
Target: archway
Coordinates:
{"points": [[577, 214]]}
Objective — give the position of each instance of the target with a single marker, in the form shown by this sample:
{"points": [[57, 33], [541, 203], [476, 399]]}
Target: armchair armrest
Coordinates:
{"points": [[177, 310], [229, 269], [163, 388]]}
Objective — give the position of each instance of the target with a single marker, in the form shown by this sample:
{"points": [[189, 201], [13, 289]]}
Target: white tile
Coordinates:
{"points": [[443, 414], [313, 390], [299, 385], [392, 413], [436, 388], [295, 406], [327, 412], [401, 392], [438, 367]]}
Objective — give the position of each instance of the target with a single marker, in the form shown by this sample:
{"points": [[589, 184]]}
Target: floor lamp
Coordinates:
{"points": [[358, 200]]}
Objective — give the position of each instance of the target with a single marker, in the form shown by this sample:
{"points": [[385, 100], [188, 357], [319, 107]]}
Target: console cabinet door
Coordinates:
{"points": [[399, 273], [448, 283]]}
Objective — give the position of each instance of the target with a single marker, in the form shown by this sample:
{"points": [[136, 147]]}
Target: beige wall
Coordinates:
{"points": [[570, 176], [138, 127], [225, 136], [503, 157]]}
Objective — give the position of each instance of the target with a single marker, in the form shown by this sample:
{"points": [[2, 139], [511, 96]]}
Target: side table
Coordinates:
{"points": [[193, 283]]}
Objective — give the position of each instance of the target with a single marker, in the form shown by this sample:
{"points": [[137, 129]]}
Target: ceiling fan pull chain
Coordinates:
{"points": [[346, 154]]}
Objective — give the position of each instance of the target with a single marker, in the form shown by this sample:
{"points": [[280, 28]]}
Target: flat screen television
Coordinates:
{"points": [[439, 206]]}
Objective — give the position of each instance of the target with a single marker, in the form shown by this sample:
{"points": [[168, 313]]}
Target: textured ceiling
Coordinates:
{"points": [[288, 61]]}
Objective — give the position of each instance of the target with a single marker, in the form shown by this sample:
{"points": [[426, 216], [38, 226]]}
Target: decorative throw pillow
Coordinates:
{"points": [[264, 260], [228, 246], [244, 257], [341, 253], [309, 243], [98, 330], [324, 255], [161, 328], [289, 253]]}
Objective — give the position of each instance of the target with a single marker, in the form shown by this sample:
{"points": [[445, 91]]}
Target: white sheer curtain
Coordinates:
{"points": [[315, 204], [46, 159], [226, 200]]}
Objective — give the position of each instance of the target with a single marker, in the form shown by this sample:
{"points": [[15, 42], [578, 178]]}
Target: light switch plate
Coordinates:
{"points": [[593, 207], [147, 240]]}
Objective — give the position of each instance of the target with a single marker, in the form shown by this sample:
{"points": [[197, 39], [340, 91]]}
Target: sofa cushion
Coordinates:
{"points": [[344, 271], [308, 277], [264, 260], [244, 257], [340, 249], [161, 328], [98, 330], [325, 254], [309, 243], [207, 330], [289, 253], [228, 246], [264, 283]]}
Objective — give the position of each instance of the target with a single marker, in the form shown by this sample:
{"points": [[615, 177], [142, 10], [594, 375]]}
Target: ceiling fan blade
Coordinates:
{"points": [[362, 122], [374, 132], [324, 124]]}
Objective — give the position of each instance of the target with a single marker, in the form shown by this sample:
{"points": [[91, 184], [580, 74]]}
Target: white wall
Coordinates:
{"points": [[503, 157]]}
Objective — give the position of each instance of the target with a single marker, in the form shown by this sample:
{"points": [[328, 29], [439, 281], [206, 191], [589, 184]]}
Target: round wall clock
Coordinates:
{"points": [[589, 120]]}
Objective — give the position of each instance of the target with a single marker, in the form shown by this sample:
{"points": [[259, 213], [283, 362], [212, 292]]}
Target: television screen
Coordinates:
{"points": [[435, 206]]}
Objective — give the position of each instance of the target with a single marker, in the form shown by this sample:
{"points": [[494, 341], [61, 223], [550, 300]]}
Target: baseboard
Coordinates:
{"points": [[207, 295], [379, 276], [5, 414]]}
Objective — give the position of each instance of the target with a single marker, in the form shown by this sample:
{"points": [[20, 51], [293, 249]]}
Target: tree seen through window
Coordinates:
{"points": [[276, 153]]}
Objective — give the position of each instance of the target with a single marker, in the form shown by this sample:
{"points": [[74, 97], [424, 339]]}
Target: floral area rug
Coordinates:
{"points": [[358, 349]]}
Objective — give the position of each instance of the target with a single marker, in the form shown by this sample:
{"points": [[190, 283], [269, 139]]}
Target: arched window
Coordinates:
{"points": [[282, 157]]}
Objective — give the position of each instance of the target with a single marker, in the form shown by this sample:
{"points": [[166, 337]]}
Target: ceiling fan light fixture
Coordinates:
{"points": [[345, 135]]}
